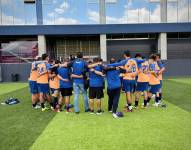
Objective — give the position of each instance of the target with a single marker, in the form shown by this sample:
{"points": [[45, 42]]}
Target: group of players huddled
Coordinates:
{"points": [[136, 76]]}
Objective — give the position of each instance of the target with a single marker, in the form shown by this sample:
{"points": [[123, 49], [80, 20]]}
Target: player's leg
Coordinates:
{"points": [[99, 96], [85, 96], [76, 96], [68, 94], [110, 94], [116, 97], [137, 97], [91, 99]]}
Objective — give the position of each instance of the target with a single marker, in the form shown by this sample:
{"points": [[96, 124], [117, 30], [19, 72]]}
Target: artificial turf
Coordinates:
{"points": [[167, 128]]}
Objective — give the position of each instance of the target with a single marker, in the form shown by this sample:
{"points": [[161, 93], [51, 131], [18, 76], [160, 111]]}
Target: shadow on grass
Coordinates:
{"points": [[20, 125], [178, 94]]}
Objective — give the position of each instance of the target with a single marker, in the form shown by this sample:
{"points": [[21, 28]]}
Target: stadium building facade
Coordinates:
{"points": [[102, 28]]}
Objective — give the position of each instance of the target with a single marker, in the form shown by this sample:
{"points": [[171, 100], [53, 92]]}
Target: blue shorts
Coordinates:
{"points": [[142, 86], [43, 88], [154, 88], [128, 85], [160, 84], [33, 87]]}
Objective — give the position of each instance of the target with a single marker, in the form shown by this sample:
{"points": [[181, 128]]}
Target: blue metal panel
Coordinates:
{"points": [[39, 15], [94, 29]]}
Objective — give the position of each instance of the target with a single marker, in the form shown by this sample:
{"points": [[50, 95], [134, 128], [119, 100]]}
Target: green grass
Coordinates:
{"points": [[155, 128], [9, 87]]}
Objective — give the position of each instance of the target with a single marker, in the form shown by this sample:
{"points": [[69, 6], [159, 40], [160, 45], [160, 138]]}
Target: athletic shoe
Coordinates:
{"points": [[135, 107], [77, 113], [44, 109], [87, 110], [92, 112], [144, 107], [68, 111], [110, 111], [156, 104], [36, 107], [99, 112], [115, 115], [147, 104], [52, 108], [57, 110]]}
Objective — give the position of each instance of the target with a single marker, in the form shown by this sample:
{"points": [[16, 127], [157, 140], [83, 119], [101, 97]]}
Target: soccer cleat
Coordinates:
{"points": [[68, 111], [87, 110], [37, 107], [147, 104], [115, 115], [77, 113], [99, 112], [44, 109], [92, 112], [144, 107], [110, 111], [52, 108], [156, 104], [135, 107]]}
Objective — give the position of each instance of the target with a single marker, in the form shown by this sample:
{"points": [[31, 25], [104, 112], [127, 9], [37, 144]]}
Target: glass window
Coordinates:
{"points": [[189, 10], [18, 12], [70, 12], [116, 11], [183, 10], [18, 51], [30, 13], [172, 11], [155, 16], [7, 12]]}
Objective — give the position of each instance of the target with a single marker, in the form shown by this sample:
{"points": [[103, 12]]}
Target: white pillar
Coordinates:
{"points": [[41, 45], [103, 47], [162, 45]]}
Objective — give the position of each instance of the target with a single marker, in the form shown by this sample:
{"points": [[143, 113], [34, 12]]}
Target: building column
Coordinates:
{"points": [[162, 45], [163, 11], [103, 47], [41, 45], [39, 14]]}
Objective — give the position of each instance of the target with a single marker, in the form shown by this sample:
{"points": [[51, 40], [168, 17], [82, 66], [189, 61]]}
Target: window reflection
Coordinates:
{"points": [[18, 51]]}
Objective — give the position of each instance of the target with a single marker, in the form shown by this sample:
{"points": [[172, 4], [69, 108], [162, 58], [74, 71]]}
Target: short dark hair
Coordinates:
{"points": [[44, 56], [158, 54], [112, 60], [153, 56], [96, 59], [138, 55], [79, 55], [127, 53]]}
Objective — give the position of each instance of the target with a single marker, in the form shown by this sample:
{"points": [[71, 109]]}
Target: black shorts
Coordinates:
{"points": [[66, 91], [96, 92]]}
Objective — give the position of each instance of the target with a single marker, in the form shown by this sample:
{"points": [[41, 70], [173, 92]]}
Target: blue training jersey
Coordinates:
{"points": [[65, 72], [94, 79], [113, 79]]}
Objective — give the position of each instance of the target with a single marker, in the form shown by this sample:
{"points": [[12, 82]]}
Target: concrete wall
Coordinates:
{"points": [[177, 67], [8, 69]]}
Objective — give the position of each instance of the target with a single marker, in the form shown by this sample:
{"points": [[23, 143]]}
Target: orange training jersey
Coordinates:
{"points": [[154, 79], [54, 83], [132, 66], [143, 75], [43, 73], [34, 73], [158, 69]]}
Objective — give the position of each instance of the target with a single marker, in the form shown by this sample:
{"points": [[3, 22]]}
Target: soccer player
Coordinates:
{"points": [[33, 84], [65, 85], [113, 87], [142, 84], [129, 81], [96, 82], [154, 80], [42, 80], [54, 83], [161, 70], [79, 68]]}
